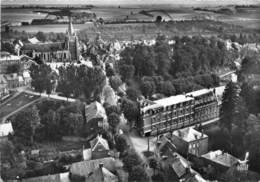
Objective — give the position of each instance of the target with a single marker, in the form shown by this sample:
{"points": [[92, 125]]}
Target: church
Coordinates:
{"points": [[67, 51]]}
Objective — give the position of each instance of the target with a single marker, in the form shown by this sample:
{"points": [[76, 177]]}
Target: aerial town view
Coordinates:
{"points": [[130, 91]]}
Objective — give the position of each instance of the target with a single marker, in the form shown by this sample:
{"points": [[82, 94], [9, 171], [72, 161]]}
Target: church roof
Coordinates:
{"points": [[45, 47]]}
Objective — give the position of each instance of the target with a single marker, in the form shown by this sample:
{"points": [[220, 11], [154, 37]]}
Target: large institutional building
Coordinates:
{"points": [[55, 51], [180, 111]]}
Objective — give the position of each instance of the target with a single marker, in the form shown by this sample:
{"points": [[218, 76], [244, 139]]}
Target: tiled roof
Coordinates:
{"points": [[45, 47], [101, 174], [179, 166], [84, 168]]}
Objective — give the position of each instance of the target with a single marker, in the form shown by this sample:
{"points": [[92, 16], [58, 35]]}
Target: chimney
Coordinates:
{"points": [[101, 165]]}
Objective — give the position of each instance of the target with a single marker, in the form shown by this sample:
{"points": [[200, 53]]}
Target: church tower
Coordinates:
{"points": [[72, 42]]}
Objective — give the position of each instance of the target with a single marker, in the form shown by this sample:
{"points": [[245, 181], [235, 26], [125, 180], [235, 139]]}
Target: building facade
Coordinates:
{"points": [[190, 141], [176, 112]]}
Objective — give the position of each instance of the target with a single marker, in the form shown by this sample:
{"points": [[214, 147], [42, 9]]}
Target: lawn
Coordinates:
{"points": [[15, 103]]}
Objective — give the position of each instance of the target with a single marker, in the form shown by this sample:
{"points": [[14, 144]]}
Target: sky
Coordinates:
{"points": [[122, 2]]}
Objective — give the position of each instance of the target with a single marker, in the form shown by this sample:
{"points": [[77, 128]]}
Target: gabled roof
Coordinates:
{"points": [[95, 110], [5, 129], [179, 166], [13, 76], [83, 168], [34, 40], [101, 174], [99, 141]]}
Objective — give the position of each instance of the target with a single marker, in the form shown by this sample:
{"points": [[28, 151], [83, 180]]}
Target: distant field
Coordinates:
{"points": [[16, 103]]}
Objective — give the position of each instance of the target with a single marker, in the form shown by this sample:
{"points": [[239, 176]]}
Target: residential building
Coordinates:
{"points": [[5, 130], [7, 59], [190, 141], [67, 50], [61, 177], [101, 174], [96, 116], [220, 160], [98, 149], [87, 167]]}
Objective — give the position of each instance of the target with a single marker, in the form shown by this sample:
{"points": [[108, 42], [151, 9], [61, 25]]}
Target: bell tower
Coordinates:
{"points": [[72, 42]]}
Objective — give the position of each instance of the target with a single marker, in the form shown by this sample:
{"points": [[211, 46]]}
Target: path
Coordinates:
{"points": [[52, 96], [19, 109]]}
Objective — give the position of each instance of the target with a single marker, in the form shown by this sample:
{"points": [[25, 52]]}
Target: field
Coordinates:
{"points": [[19, 102]]}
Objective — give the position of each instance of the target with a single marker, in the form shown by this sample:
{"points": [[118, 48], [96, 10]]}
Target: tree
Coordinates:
{"points": [[121, 143], [148, 88], [112, 109], [13, 68], [167, 88], [130, 110], [130, 160], [138, 174], [25, 124], [228, 107], [41, 36], [42, 76], [132, 93], [126, 71], [115, 82], [113, 120]]}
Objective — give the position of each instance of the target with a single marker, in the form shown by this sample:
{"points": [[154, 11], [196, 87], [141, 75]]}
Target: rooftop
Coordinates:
{"points": [[220, 157], [5, 129], [62, 177], [99, 141], [198, 92], [83, 168], [173, 100], [189, 134], [95, 110], [44, 47]]}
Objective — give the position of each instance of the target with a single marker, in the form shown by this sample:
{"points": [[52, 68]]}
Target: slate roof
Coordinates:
{"points": [[95, 110], [45, 47]]}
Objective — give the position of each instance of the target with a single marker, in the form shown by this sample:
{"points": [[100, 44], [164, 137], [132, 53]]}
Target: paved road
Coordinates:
{"points": [[57, 97]]}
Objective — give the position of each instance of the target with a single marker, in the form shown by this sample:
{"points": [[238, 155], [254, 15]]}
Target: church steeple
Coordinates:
{"points": [[71, 31]]}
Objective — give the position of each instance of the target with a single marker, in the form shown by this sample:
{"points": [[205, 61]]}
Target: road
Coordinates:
{"points": [[52, 96], [19, 109]]}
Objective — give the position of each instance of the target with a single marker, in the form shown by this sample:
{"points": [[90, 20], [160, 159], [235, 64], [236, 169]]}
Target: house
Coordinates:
{"points": [[109, 96], [87, 167], [61, 177], [99, 149], [7, 59], [190, 141], [220, 160], [96, 117], [5, 130], [101, 174]]}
